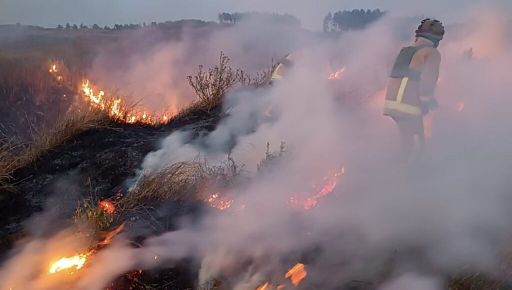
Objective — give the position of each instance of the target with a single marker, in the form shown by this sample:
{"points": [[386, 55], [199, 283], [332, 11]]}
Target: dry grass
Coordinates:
{"points": [[15, 156], [193, 180], [476, 282], [178, 181], [89, 212], [8, 163], [72, 124]]}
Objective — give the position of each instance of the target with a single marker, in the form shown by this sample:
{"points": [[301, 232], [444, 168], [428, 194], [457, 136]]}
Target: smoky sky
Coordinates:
{"points": [[50, 13]]}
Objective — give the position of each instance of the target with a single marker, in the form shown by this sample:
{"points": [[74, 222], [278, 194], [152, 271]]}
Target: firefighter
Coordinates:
{"points": [[410, 89], [284, 66]]}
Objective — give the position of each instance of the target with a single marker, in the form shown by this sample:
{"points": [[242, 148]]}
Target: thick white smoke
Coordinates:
{"points": [[150, 66], [401, 228]]}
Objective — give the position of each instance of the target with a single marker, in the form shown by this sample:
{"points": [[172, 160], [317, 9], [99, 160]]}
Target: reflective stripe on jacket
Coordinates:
{"points": [[414, 75], [281, 68]]}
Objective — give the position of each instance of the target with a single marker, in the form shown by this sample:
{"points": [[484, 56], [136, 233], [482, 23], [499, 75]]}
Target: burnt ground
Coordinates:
{"points": [[95, 163]]}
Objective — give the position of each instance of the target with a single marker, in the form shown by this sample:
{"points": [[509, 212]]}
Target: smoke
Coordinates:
{"points": [[150, 66], [447, 215], [412, 282], [422, 223]]}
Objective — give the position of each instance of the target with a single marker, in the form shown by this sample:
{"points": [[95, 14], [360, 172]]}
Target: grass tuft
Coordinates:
{"points": [[178, 181]]}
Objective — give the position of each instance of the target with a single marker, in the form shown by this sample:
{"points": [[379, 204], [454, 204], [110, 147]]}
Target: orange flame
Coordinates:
{"points": [[265, 286], [107, 206], [217, 201], [54, 71], [110, 235], [329, 184], [68, 263], [296, 274], [117, 109], [337, 74], [78, 261]]}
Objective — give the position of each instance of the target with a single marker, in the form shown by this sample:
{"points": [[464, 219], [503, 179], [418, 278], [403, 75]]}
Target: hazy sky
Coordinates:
{"points": [[311, 12]]}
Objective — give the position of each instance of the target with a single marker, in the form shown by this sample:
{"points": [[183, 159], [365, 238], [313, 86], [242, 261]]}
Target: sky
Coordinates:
{"points": [[50, 13]]}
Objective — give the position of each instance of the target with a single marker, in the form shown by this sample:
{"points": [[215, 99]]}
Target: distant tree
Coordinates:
{"points": [[96, 27], [68, 26], [225, 18], [60, 27], [351, 20], [75, 27], [106, 27], [327, 22], [83, 26]]}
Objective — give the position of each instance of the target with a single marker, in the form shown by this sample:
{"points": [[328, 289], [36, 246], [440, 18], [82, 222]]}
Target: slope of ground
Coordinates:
{"points": [[96, 162]]}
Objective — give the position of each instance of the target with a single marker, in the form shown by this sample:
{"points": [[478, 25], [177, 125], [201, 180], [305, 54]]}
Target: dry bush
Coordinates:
{"points": [[178, 181], [210, 87]]}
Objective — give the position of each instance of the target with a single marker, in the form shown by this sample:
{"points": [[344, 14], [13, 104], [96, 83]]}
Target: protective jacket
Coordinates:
{"points": [[282, 66], [412, 81]]}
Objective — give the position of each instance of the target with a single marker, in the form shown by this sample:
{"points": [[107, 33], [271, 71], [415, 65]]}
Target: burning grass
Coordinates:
{"points": [[94, 214]]}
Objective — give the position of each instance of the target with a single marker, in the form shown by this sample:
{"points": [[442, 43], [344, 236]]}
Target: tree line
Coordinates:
{"points": [[339, 21], [274, 18], [68, 26], [346, 20]]}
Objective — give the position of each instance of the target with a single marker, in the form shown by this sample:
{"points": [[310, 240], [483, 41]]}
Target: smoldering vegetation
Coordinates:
{"points": [[381, 226]]}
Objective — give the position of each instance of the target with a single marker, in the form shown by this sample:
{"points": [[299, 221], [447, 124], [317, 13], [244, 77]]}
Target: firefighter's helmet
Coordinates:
{"points": [[431, 29]]}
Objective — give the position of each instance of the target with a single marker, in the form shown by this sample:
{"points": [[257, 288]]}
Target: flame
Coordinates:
{"points": [[329, 184], [117, 109], [337, 74], [75, 262], [110, 235], [107, 206], [53, 69], [217, 201], [296, 274], [78, 261], [265, 286]]}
